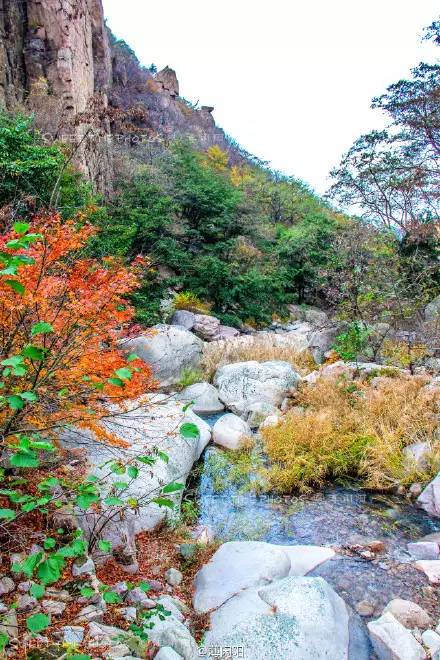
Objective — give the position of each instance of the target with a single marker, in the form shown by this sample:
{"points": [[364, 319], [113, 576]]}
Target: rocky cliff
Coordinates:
{"points": [[59, 60]]}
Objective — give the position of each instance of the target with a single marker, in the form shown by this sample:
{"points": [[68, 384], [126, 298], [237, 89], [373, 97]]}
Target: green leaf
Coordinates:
{"points": [[105, 546], [37, 622], [15, 402], [85, 500], [173, 487], [74, 549], [15, 285], [24, 459], [37, 590], [162, 501], [190, 431], [41, 328], [163, 456], [144, 586], [7, 514], [132, 471], [49, 571], [124, 373], [87, 592], [29, 396], [132, 357], [117, 468], [148, 460], [28, 565], [49, 543], [116, 381], [78, 656], [4, 640], [113, 501], [13, 361], [120, 485], [33, 352], [21, 227], [111, 597]]}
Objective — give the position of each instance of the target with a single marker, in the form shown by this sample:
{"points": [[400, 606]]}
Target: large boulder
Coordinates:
{"points": [[206, 327], [258, 412], [144, 428], [236, 566], [409, 614], [392, 641], [225, 332], [322, 341], [184, 318], [244, 383], [432, 310], [204, 397], [230, 431], [240, 565], [169, 349], [295, 618], [429, 499]]}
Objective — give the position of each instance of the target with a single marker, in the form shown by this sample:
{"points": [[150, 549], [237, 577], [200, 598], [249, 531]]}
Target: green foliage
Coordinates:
{"points": [[35, 174], [353, 342]]}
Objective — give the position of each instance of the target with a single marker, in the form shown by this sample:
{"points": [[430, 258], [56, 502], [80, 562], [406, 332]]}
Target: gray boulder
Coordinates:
{"points": [[244, 383], [173, 634], [240, 565], [206, 327], [226, 332], [430, 497], [322, 341], [257, 412], [230, 431], [409, 614], [392, 641], [167, 653], [148, 425], [432, 310], [169, 350], [296, 618], [184, 319], [205, 398]]}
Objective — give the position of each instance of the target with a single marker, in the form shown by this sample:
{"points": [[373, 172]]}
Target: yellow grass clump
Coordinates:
{"points": [[343, 430], [189, 301], [259, 348]]}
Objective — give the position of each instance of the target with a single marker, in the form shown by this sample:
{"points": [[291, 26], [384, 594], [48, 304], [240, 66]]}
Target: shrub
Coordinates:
{"points": [[191, 302], [353, 431]]}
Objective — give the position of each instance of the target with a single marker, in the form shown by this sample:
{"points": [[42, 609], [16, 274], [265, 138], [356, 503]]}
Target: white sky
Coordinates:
{"points": [[291, 80]]}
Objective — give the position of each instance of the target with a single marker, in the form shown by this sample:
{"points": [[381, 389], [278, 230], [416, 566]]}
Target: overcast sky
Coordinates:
{"points": [[290, 80]]}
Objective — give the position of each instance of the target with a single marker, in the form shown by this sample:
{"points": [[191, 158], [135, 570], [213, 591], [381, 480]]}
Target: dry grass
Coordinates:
{"points": [[354, 430], [259, 348]]}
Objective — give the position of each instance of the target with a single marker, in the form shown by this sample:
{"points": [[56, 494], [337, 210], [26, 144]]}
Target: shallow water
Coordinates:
{"points": [[334, 517]]}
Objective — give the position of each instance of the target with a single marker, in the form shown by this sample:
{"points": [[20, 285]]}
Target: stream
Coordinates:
{"points": [[335, 516]]}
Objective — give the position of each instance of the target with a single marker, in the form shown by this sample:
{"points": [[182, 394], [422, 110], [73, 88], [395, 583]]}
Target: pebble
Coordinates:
{"points": [[6, 585], [84, 567], [73, 634], [138, 597], [53, 607], [90, 613], [173, 577], [24, 587], [129, 613], [26, 603], [365, 608]]}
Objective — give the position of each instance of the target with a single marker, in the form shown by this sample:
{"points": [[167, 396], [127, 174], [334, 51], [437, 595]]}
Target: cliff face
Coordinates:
{"points": [[58, 60]]}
